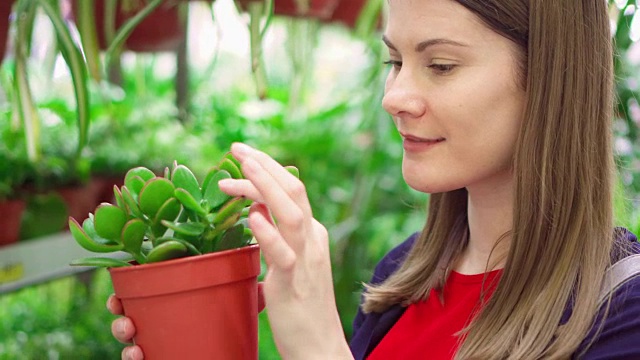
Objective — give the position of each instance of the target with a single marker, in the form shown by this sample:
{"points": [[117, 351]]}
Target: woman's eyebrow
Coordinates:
{"points": [[425, 44]]}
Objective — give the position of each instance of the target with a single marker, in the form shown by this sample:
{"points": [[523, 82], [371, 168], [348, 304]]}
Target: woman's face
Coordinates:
{"points": [[453, 91]]}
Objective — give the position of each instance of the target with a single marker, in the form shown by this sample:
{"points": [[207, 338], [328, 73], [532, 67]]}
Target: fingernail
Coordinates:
{"points": [[241, 149], [225, 182], [122, 327], [127, 353]]}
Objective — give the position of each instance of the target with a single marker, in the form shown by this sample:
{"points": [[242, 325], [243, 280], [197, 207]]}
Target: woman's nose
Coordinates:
{"points": [[403, 96]]}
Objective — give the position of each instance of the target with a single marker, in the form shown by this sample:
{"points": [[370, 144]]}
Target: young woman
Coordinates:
{"points": [[505, 110]]}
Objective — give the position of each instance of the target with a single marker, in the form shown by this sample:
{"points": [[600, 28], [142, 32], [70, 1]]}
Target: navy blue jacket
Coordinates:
{"points": [[618, 340]]}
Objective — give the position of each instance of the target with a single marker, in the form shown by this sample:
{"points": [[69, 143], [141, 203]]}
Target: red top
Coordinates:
{"points": [[427, 330]]}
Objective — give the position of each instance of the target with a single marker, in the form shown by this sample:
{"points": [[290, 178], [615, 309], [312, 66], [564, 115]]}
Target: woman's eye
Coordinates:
{"points": [[442, 69], [395, 63]]}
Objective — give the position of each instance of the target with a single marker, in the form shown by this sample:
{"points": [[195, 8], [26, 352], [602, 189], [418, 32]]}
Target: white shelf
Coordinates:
{"points": [[39, 260]]}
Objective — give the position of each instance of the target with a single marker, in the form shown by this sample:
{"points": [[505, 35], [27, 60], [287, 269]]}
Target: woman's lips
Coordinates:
{"points": [[412, 143]]}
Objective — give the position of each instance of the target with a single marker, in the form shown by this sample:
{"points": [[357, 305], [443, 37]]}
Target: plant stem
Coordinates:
{"points": [[89, 37], [77, 67], [128, 27], [29, 117], [257, 65]]}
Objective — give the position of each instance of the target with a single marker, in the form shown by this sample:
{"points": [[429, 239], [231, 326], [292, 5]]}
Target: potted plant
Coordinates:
{"points": [[11, 204], [162, 29], [343, 11], [190, 280], [321, 9]]}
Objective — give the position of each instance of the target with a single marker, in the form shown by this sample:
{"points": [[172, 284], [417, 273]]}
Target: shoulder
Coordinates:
{"points": [[393, 259], [617, 336], [368, 329]]}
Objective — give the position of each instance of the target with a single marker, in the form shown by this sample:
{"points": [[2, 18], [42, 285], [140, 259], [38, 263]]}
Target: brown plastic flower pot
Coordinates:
{"points": [[80, 200], [10, 216], [162, 30], [5, 12], [347, 12], [199, 307], [320, 9]]}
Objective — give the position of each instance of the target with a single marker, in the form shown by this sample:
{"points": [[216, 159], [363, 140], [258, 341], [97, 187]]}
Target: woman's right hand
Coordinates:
{"points": [[123, 329]]}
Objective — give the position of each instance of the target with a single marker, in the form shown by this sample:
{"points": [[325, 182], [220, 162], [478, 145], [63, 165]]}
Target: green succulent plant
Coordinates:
{"points": [[157, 218]]}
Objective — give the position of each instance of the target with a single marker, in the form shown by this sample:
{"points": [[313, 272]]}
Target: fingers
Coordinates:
{"points": [[275, 250], [132, 353], [123, 330], [283, 193], [280, 176], [243, 187], [114, 305]]}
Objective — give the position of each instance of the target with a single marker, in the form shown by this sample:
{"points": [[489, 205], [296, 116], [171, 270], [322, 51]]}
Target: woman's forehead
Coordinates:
{"points": [[416, 21]]}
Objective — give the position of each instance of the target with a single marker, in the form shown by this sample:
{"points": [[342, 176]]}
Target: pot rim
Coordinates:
{"points": [[186, 274], [182, 260]]}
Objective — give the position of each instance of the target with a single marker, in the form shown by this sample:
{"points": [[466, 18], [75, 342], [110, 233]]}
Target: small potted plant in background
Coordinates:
{"points": [[5, 11], [11, 204], [190, 280], [162, 29]]}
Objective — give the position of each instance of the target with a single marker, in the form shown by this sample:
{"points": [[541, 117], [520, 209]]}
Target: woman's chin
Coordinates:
{"points": [[424, 185]]}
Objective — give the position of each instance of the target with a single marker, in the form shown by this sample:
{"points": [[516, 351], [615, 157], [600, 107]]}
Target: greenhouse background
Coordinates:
{"points": [[311, 99]]}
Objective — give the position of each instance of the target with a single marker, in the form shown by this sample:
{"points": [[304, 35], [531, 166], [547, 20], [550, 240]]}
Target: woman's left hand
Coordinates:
{"points": [[298, 286]]}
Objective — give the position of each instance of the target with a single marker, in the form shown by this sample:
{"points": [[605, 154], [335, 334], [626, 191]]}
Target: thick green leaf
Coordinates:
{"points": [[212, 193], [166, 251], [229, 155], [193, 240], [231, 208], [119, 199], [168, 211], [227, 223], [88, 243], [293, 171], [133, 235], [141, 172], [135, 185], [132, 205], [189, 202], [99, 262], [232, 238], [154, 194], [192, 250], [183, 178], [90, 230], [231, 167], [189, 229], [209, 177], [109, 221]]}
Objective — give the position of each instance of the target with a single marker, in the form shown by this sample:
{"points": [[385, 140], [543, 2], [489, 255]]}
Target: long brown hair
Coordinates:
{"points": [[562, 236]]}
